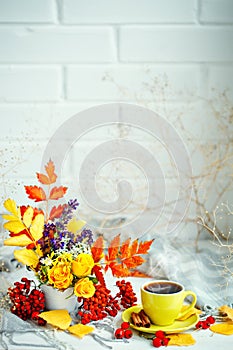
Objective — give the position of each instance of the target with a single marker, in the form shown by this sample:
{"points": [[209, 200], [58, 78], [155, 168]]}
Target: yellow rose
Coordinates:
{"points": [[60, 275], [84, 288], [82, 265]]}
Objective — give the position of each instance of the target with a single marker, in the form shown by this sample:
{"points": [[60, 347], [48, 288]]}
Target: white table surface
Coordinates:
{"points": [[205, 339]]}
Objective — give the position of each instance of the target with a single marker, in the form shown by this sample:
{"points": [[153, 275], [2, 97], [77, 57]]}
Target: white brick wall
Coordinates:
{"points": [[59, 57]]}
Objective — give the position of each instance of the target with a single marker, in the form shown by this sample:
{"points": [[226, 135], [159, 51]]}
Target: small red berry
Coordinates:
{"points": [[119, 333], [210, 319], [205, 325], [160, 334], [157, 342], [199, 324], [165, 341], [125, 325], [128, 333]]}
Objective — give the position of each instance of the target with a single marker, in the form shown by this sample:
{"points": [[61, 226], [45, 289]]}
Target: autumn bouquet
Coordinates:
{"points": [[59, 248]]}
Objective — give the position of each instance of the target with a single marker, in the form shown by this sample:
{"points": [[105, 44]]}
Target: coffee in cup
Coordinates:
{"points": [[162, 301]]}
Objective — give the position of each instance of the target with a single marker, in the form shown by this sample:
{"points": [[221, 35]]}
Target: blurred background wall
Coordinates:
{"points": [[175, 57]]}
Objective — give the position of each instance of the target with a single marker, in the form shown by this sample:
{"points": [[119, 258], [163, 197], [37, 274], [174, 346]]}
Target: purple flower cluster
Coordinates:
{"points": [[57, 237], [86, 236], [67, 215]]}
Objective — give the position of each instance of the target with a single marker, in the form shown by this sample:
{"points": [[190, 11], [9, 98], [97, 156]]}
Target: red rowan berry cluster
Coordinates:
{"points": [[206, 323], [123, 331], [160, 339], [127, 296], [27, 300], [103, 303]]}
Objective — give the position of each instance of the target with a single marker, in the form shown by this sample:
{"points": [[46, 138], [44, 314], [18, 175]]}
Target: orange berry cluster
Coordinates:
{"points": [[103, 303], [26, 299]]}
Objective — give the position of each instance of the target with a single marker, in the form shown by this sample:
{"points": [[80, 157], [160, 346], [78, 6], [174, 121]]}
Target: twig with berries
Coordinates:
{"points": [[27, 300], [103, 304]]}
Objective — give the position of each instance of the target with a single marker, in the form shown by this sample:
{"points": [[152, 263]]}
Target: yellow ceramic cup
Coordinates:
{"points": [[164, 305]]}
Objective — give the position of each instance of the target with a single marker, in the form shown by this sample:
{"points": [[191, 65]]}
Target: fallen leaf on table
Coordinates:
{"points": [[80, 330], [222, 328], [57, 318], [181, 339], [191, 312], [227, 310]]}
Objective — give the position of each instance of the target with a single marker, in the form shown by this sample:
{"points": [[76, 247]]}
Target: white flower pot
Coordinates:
{"points": [[59, 300]]}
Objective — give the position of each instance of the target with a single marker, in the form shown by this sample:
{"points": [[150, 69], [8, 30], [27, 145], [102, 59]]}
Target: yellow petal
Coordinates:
{"points": [[226, 310], [27, 216], [18, 241], [75, 225], [37, 227], [181, 339], [57, 318], [80, 330], [223, 328], [11, 206], [193, 311], [14, 226], [27, 257]]}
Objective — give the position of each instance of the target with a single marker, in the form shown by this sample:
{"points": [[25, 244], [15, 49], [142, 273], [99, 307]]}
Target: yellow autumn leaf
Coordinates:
{"points": [[57, 318], [18, 241], [181, 339], [14, 226], [10, 217], [193, 311], [11, 206], [80, 330], [27, 257], [27, 216], [75, 225], [37, 227], [226, 310], [223, 328]]}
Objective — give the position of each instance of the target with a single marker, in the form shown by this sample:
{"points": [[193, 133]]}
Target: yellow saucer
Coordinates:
{"points": [[177, 326]]}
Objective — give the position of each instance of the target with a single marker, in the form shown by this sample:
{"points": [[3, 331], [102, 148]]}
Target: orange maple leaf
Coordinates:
{"points": [[118, 270], [51, 177], [50, 171], [121, 259], [36, 193], [124, 249], [144, 247], [56, 212], [97, 249], [57, 192], [133, 262], [134, 247], [113, 248]]}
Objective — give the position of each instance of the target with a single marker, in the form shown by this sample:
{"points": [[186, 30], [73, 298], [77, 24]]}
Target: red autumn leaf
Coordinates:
{"points": [[36, 193], [124, 249], [113, 248], [57, 192], [51, 177], [56, 212], [99, 274], [133, 262], [97, 249], [144, 247]]}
